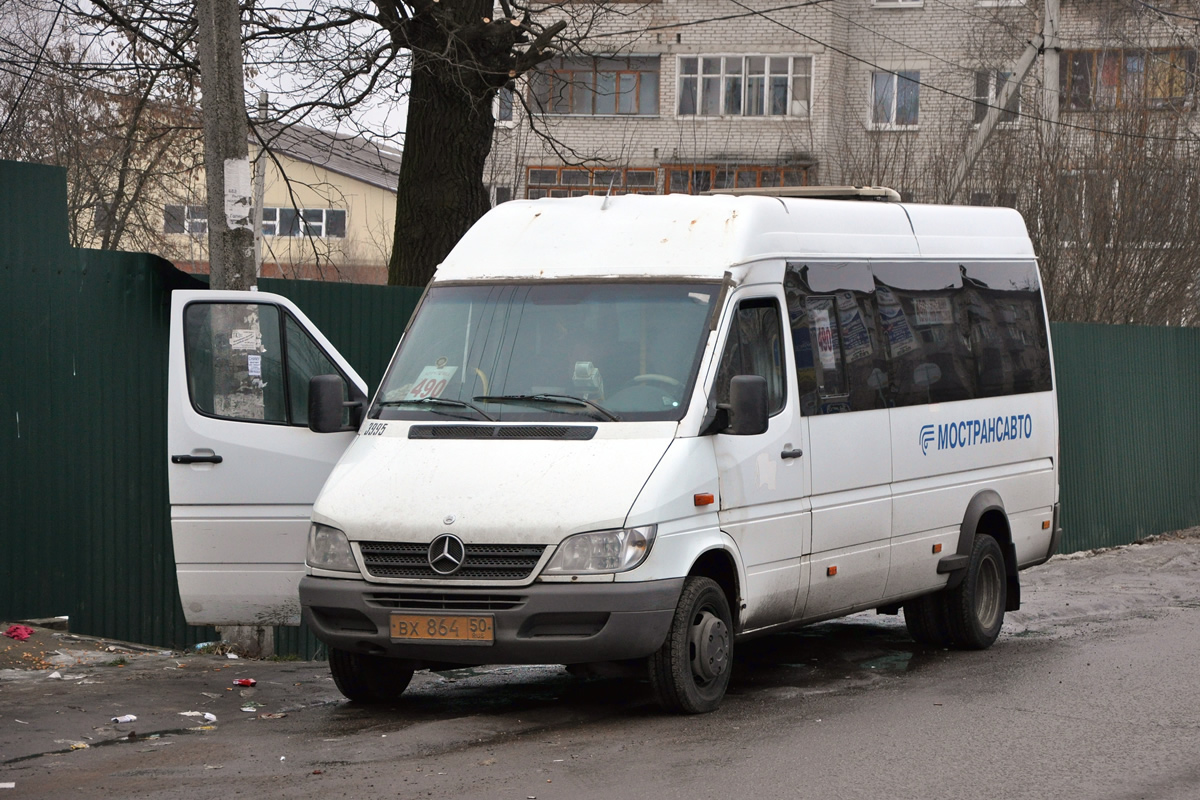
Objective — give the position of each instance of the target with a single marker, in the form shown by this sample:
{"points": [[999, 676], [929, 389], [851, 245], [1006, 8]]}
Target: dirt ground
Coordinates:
{"points": [[49, 649]]}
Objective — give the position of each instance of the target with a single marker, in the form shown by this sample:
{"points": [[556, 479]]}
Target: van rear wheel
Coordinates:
{"points": [[975, 608], [369, 679], [690, 672]]}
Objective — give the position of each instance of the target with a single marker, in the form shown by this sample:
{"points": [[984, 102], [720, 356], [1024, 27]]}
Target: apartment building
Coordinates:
{"points": [[676, 96]]}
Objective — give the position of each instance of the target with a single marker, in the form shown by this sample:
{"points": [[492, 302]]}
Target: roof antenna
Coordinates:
{"points": [[608, 194]]}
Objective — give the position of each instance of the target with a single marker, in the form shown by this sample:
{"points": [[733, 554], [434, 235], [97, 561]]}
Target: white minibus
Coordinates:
{"points": [[632, 429]]}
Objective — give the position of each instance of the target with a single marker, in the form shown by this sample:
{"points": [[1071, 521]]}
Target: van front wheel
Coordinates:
{"points": [[690, 672], [364, 678], [975, 608]]}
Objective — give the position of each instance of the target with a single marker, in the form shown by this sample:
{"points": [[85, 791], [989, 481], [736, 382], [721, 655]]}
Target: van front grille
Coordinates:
{"points": [[411, 601], [483, 562]]}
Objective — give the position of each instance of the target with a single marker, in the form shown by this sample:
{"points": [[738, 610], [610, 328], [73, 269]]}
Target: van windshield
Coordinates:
{"points": [[552, 351]]}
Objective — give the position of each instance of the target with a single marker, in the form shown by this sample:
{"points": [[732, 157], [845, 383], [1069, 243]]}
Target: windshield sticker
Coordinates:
{"points": [[431, 382]]}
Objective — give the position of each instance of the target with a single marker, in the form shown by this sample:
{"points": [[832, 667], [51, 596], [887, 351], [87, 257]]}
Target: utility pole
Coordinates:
{"points": [[1050, 68], [1044, 44], [260, 184], [226, 154]]}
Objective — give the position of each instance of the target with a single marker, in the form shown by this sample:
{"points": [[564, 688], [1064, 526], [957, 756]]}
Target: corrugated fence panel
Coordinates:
{"points": [[363, 322], [1129, 408], [84, 511]]}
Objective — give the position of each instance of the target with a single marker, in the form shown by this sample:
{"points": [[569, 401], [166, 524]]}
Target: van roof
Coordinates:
{"points": [[702, 237]]}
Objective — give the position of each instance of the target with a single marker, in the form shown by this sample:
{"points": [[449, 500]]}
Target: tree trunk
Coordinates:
{"points": [[440, 192]]}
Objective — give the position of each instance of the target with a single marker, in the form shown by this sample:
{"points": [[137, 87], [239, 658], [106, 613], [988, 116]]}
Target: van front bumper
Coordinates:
{"points": [[544, 623]]}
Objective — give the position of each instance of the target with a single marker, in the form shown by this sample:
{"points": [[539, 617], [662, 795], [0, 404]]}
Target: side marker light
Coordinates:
{"points": [[831, 571], [704, 499], [1045, 524], [937, 548]]}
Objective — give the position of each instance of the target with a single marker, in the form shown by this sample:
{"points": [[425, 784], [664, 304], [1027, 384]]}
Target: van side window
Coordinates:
{"points": [[962, 331], [841, 364], [755, 347], [251, 362]]}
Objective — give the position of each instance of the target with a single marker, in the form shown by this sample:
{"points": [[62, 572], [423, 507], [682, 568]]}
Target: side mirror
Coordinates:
{"points": [[325, 405], [748, 410]]}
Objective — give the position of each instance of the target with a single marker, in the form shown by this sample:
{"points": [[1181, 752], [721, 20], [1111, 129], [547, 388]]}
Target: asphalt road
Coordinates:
{"points": [[1091, 692]]}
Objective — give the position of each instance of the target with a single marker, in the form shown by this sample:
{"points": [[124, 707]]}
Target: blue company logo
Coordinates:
{"points": [[970, 432]]}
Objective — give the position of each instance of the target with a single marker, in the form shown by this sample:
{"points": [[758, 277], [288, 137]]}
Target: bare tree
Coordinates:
{"points": [[126, 138]]}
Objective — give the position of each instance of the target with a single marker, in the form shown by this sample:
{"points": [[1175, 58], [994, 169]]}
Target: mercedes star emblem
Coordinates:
{"points": [[446, 554]]}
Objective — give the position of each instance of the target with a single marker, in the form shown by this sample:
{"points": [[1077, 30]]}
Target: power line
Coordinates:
{"points": [[37, 62], [947, 92]]}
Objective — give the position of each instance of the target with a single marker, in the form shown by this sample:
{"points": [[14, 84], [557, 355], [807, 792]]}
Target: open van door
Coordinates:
{"points": [[244, 468]]}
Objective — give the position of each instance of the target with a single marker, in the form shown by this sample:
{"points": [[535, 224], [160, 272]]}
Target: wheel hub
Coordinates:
{"points": [[710, 646]]}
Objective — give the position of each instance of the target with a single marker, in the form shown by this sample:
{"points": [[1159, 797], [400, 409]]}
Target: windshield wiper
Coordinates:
{"points": [[543, 399], [438, 401]]}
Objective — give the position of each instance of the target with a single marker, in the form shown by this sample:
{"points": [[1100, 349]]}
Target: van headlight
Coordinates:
{"points": [[328, 548], [602, 551]]}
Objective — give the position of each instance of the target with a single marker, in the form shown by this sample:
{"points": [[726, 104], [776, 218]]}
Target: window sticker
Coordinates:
{"points": [[432, 381], [823, 327], [254, 366], [933, 311], [856, 341], [895, 324], [245, 339]]}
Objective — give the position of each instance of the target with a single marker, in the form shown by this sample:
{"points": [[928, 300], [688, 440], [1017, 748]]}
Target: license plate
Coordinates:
{"points": [[461, 629]]}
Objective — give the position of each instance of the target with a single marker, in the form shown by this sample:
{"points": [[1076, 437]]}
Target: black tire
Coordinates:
{"points": [[369, 679], [690, 672], [975, 608], [925, 618]]}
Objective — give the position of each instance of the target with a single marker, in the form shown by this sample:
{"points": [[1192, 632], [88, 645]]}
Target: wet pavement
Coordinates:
{"points": [[1090, 692]]}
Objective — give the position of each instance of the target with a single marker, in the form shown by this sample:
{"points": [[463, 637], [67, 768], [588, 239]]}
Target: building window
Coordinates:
{"points": [[699, 178], [504, 105], [185, 219], [745, 86], [988, 86], [315, 222], [895, 99], [1091, 80], [597, 86], [501, 194], [579, 181]]}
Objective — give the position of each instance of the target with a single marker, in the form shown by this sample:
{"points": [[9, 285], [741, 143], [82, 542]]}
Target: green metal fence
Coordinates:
{"points": [[1129, 410], [84, 514]]}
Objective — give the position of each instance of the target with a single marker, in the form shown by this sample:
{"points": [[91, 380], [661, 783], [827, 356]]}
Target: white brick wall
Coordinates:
{"points": [[946, 40]]}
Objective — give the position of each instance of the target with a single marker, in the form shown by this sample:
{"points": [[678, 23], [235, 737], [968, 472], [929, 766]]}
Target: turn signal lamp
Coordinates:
{"points": [[704, 499], [1045, 524], [831, 571], [937, 548]]}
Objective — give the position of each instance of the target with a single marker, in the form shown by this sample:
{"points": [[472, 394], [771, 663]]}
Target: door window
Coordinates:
{"points": [[251, 362], [755, 347]]}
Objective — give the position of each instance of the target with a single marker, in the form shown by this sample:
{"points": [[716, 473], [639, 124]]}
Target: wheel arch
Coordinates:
{"points": [[986, 515], [719, 564]]}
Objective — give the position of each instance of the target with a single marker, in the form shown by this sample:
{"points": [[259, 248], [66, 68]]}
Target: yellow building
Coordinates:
{"points": [[329, 209]]}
